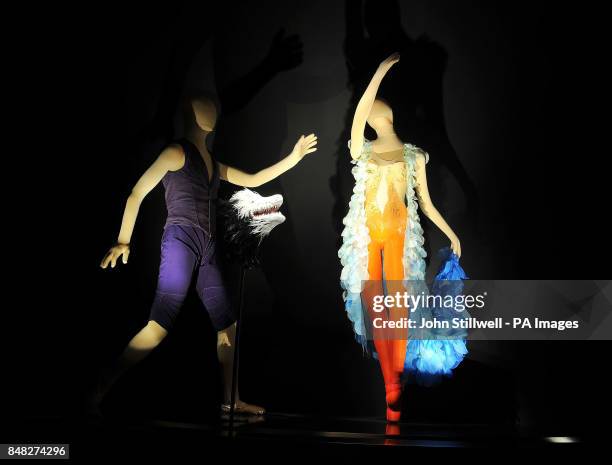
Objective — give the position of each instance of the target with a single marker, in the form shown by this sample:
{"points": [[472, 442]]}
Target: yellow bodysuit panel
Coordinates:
{"points": [[384, 200]]}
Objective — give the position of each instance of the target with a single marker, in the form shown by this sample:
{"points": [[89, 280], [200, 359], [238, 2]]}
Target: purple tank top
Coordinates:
{"points": [[190, 197]]}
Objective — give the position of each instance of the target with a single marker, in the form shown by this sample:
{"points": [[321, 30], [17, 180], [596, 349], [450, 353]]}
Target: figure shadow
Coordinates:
{"points": [[254, 150], [414, 89]]}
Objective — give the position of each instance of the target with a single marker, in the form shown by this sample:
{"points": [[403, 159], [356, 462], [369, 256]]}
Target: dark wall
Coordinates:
{"points": [[502, 95]]}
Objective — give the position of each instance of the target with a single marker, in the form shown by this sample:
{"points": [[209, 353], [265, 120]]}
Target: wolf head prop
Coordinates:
{"points": [[245, 219]]}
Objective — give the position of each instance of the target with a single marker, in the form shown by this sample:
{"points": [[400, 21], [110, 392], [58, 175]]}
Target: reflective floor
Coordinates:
{"points": [[273, 434]]}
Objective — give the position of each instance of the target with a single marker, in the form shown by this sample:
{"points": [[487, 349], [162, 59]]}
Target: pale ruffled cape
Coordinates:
{"points": [[423, 356]]}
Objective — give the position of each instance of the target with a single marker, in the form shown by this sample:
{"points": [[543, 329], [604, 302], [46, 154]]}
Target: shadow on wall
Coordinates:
{"points": [[414, 90]]}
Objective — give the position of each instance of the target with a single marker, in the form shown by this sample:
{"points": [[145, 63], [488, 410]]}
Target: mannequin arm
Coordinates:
{"points": [[365, 105], [171, 159], [304, 146], [428, 208]]}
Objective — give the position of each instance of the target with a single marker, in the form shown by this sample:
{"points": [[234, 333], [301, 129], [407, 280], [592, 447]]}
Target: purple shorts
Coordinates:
{"points": [[187, 251]]}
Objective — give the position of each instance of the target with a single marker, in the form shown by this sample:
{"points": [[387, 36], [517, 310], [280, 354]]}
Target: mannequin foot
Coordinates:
{"points": [[394, 401], [394, 395], [244, 408], [392, 429], [393, 416]]}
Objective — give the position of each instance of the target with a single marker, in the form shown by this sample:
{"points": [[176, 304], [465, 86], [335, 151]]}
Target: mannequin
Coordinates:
{"points": [[191, 177], [382, 240]]}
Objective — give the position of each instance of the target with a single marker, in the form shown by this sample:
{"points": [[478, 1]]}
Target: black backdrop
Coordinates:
{"points": [[503, 95]]}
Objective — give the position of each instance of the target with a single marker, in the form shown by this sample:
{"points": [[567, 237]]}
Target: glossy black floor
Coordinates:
{"points": [[291, 436]]}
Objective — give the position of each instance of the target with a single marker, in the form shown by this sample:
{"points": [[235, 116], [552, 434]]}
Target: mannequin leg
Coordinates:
{"points": [[137, 349], [394, 275], [382, 342], [175, 271], [212, 292], [225, 352]]}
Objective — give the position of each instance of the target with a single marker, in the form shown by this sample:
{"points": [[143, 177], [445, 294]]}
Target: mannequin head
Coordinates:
{"points": [[199, 112], [381, 117]]}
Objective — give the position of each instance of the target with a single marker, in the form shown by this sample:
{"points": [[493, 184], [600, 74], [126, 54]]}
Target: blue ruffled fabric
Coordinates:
{"points": [[450, 269], [434, 353], [353, 253]]}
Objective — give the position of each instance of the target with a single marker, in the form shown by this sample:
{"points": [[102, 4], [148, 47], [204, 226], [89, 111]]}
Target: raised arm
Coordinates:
{"points": [[365, 105], [171, 159], [428, 208], [304, 146]]}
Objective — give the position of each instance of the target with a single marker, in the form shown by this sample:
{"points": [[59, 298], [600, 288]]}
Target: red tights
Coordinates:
{"points": [[390, 343]]}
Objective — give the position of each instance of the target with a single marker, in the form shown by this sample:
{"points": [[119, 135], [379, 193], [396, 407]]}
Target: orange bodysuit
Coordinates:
{"points": [[386, 218]]}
